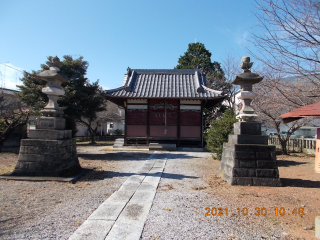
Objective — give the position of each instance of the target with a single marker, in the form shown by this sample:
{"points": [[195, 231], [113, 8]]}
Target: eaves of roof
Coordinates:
{"points": [[312, 110]]}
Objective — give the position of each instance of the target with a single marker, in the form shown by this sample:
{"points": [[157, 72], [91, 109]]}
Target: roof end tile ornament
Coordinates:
{"points": [[129, 71]]}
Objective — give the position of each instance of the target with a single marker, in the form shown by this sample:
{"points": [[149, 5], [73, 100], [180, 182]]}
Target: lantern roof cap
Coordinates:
{"points": [[246, 77], [53, 73], [55, 62]]}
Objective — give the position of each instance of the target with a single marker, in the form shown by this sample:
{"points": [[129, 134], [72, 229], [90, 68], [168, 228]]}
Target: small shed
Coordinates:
{"points": [[164, 106], [312, 110]]}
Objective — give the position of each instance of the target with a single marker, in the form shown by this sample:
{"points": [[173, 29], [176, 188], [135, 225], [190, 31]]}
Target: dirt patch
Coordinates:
{"points": [[199, 188], [7, 162], [294, 206], [165, 187]]}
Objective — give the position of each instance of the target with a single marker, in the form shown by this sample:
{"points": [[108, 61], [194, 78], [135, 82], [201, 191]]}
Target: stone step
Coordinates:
{"points": [[118, 143], [162, 146], [117, 146]]}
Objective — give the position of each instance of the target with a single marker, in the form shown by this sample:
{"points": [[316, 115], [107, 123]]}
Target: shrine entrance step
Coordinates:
{"points": [[118, 143], [162, 146]]}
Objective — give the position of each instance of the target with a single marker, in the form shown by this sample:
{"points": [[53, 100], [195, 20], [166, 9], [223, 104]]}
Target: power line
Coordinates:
{"points": [[31, 75], [12, 67], [5, 64]]}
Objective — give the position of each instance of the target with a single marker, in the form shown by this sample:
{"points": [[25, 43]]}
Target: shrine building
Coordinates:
{"points": [[164, 106]]}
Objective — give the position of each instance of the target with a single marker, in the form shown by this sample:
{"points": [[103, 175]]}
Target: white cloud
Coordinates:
{"points": [[242, 38], [239, 36], [104, 87], [10, 77]]}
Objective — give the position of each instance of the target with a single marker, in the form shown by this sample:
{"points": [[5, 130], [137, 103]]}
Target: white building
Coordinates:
{"points": [[110, 120]]}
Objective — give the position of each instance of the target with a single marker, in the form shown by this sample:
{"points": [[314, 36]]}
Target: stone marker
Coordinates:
{"points": [[246, 158], [50, 150], [317, 227]]}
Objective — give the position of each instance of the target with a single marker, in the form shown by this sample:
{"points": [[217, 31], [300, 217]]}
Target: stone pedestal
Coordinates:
{"points": [[50, 134], [247, 159], [57, 123], [47, 153]]}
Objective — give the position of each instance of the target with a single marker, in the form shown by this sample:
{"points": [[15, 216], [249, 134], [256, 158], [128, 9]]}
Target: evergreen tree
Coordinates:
{"points": [[197, 56]]}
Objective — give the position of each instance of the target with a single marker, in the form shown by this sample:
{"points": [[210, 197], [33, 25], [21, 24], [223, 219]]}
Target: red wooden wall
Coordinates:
{"points": [[137, 120]]}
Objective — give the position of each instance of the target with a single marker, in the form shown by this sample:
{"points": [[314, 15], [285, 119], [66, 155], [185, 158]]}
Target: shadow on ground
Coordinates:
{"points": [[127, 156], [288, 163], [295, 182], [115, 156], [96, 175]]}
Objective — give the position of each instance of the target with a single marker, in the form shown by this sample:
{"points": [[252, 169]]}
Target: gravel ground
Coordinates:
{"points": [[179, 208], [189, 185], [54, 210]]}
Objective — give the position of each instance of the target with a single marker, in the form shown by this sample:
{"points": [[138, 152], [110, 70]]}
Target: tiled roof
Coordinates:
{"points": [[164, 83], [312, 110]]}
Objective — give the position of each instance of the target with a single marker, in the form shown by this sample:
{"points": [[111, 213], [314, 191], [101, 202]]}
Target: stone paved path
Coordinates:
{"points": [[123, 214]]}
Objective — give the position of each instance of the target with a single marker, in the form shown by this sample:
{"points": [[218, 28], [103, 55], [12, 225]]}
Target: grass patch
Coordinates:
{"points": [[7, 169]]}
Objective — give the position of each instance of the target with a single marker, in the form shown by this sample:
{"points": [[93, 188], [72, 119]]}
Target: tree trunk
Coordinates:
{"points": [[284, 147], [92, 134]]}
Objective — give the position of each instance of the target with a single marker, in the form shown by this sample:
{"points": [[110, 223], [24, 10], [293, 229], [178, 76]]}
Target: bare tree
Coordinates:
{"points": [[289, 36], [13, 114], [111, 113], [230, 66], [276, 97]]}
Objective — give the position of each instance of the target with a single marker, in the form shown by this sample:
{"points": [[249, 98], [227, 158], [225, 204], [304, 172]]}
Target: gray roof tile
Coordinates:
{"points": [[175, 83]]}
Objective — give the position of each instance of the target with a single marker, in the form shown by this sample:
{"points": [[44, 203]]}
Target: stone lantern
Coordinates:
{"points": [[52, 113], [50, 149], [246, 79], [247, 159]]}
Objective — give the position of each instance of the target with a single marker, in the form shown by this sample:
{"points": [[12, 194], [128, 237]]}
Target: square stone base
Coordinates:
{"points": [[42, 157], [57, 123], [249, 164], [247, 128], [50, 134], [248, 139]]}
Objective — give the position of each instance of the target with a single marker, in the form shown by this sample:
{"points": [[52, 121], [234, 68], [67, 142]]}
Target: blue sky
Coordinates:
{"points": [[112, 35]]}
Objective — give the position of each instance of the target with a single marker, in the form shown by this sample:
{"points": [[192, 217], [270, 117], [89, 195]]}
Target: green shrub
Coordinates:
{"points": [[219, 131], [117, 132], [2, 125]]}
